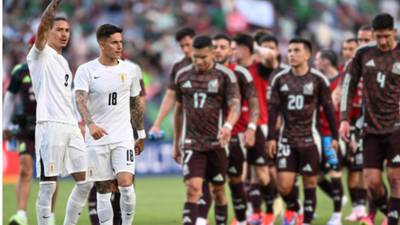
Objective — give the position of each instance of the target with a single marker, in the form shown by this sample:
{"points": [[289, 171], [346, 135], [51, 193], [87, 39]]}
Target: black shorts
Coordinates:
{"points": [[26, 144], [381, 147], [236, 156], [210, 165], [257, 154], [302, 160]]}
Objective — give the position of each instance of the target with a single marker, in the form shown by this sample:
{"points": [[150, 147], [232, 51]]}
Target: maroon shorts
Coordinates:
{"points": [[236, 156], [210, 165], [378, 148], [257, 154], [302, 160]]}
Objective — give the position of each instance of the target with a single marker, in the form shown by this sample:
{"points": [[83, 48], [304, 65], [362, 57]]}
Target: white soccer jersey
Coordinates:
{"points": [[51, 81], [110, 89]]}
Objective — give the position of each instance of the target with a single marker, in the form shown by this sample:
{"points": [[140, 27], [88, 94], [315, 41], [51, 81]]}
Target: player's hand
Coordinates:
{"points": [[224, 136], [177, 154], [344, 130], [249, 138], [96, 131], [271, 148], [139, 146], [335, 145], [155, 129], [7, 135]]}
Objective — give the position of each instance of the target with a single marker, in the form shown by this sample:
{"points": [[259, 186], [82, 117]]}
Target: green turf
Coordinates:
{"points": [[159, 202]]}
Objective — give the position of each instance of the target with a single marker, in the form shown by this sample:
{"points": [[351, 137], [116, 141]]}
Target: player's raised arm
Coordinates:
{"points": [[46, 22]]}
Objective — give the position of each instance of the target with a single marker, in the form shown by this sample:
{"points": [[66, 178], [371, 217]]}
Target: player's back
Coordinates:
{"points": [[51, 81], [204, 98], [299, 97], [110, 89]]}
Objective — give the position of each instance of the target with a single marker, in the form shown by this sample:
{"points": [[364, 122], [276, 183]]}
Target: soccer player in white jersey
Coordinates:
{"points": [[107, 95], [60, 148]]}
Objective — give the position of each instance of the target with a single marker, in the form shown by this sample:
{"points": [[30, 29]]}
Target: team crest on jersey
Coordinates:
{"points": [[122, 77], [308, 89], [213, 86], [396, 68]]}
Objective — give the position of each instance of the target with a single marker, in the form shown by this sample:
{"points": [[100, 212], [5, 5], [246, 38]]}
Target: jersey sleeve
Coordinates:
{"points": [[245, 80], [232, 88], [172, 75], [325, 99], [349, 85], [274, 102], [135, 86], [16, 81], [82, 79]]}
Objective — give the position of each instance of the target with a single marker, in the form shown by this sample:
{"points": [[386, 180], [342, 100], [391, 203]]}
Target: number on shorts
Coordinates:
{"points": [[112, 98], [283, 150], [187, 156], [66, 80], [129, 155]]}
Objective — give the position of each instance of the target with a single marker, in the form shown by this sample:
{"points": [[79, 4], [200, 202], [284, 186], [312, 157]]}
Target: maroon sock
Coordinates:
{"points": [[267, 193], [239, 201], [310, 201], [326, 186], [337, 193], [362, 196], [371, 207], [394, 211], [205, 201], [353, 196], [92, 203], [117, 219], [381, 203], [221, 214], [291, 200], [190, 211], [255, 198]]}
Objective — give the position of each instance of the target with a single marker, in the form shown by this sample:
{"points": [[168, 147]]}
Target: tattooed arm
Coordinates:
{"points": [[137, 118], [81, 103], [46, 22]]}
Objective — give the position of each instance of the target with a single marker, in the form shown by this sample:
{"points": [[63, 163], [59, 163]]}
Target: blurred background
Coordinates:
{"points": [[149, 28]]}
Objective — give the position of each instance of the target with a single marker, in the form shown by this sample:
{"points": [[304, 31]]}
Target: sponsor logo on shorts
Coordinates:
{"points": [[308, 209], [396, 159], [52, 167], [201, 202], [307, 168], [186, 219], [218, 178], [185, 170], [232, 169], [359, 159], [90, 171], [260, 160], [393, 214]]}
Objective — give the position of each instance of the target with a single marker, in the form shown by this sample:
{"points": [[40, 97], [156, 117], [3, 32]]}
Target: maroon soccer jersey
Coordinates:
{"points": [[204, 97], [175, 68], [380, 72], [247, 91], [298, 100]]}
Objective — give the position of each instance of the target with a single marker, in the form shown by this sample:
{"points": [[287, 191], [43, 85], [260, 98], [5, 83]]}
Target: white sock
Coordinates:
{"points": [[242, 223], [337, 215], [201, 221], [128, 204], [43, 203], [104, 209], [76, 201], [21, 213]]}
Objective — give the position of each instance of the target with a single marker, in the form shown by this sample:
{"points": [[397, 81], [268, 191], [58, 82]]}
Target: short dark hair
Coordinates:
{"points": [[202, 41], [383, 21], [258, 35], [330, 55], [59, 18], [106, 30], [351, 40], [183, 32], [222, 36], [244, 40], [307, 44], [366, 27], [269, 38]]}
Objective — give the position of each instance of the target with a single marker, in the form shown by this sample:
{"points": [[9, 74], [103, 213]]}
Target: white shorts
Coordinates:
{"points": [[60, 149], [105, 161]]}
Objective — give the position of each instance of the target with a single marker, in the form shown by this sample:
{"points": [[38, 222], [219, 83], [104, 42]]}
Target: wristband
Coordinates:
{"points": [[252, 126], [228, 125], [141, 134]]}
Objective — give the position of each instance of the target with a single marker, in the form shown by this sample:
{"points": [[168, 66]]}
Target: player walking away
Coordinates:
{"points": [[205, 91], [60, 148], [331, 163], [21, 84], [378, 65], [297, 94], [107, 96], [256, 155], [243, 133]]}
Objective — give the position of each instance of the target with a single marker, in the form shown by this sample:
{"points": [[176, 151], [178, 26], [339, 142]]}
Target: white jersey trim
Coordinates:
{"points": [[283, 72], [245, 72], [226, 70], [184, 69], [321, 75]]}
